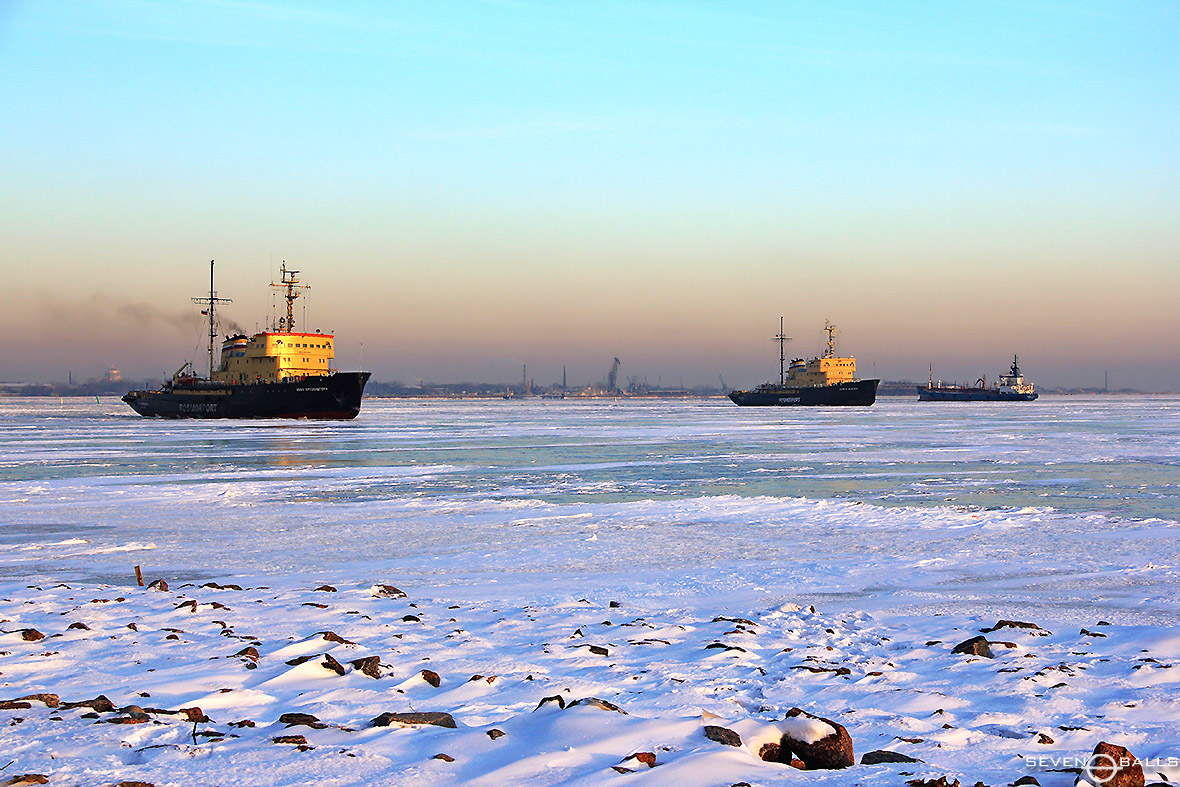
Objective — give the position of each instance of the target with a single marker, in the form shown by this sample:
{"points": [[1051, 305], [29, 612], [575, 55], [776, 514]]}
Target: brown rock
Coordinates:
{"points": [[248, 652], [601, 704], [332, 664], [48, 700], [129, 717], [135, 784], [1043, 738], [14, 705], [443, 757], [646, 757], [1026, 780], [305, 719], [725, 647], [598, 650], [722, 735], [31, 635], [435, 718], [196, 715], [769, 752], [828, 753], [332, 636], [743, 621], [78, 625], [496, 733], [883, 756], [939, 782], [1113, 766], [369, 665], [28, 778], [976, 646], [298, 740], [411, 619], [243, 723], [99, 703], [325, 589], [833, 670], [1014, 624], [158, 584], [387, 591], [191, 604], [326, 661], [431, 677], [560, 700]]}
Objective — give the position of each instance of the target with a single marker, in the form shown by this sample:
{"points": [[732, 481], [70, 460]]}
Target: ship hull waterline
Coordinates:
{"points": [[861, 393], [332, 397], [972, 395]]}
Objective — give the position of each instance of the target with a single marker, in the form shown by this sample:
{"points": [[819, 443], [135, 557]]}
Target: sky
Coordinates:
{"points": [[470, 187]]}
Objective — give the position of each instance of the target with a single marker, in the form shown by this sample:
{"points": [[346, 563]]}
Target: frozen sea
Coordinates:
{"points": [[1068, 507]]}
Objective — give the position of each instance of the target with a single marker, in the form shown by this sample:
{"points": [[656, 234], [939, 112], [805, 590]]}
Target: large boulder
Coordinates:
{"points": [[722, 735], [1112, 766], [821, 744], [435, 718], [976, 646]]}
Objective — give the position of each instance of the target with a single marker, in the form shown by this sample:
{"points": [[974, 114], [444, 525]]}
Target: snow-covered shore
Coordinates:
{"points": [[512, 526], [1037, 707]]}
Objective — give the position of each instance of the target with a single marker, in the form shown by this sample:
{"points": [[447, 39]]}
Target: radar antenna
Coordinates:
{"points": [[290, 280], [782, 340], [831, 329], [212, 302]]}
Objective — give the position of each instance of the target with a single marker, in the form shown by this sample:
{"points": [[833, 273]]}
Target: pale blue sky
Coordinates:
{"points": [[473, 185]]}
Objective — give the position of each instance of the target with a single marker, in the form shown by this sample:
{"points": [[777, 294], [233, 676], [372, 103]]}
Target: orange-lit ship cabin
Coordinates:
{"points": [[274, 357], [828, 370]]}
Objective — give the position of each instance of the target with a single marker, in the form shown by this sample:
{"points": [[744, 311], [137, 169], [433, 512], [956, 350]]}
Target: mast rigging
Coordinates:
{"points": [[212, 300]]}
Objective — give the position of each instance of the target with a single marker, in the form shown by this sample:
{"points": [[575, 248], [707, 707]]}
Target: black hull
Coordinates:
{"points": [[861, 393], [971, 395], [337, 396]]}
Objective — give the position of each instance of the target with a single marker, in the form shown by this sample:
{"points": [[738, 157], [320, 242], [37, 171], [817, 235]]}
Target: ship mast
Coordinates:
{"points": [[831, 329], [289, 280], [782, 340], [212, 301]]}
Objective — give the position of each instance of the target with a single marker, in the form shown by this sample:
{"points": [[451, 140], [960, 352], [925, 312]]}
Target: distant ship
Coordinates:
{"points": [[273, 374], [821, 381], [1011, 388]]}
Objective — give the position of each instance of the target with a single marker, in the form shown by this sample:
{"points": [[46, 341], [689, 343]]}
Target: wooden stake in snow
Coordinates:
{"points": [[139, 576]]}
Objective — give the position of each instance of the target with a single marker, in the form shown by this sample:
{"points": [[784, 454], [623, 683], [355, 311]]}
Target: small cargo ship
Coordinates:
{"points": [[824, 381], [278, 373], [1011, 388]]}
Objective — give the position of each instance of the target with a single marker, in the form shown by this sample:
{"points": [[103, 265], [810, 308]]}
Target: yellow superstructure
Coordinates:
{"points": [[273, 357], [828, 370]]}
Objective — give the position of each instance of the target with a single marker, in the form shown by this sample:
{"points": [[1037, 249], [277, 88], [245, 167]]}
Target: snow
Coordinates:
{"points": [[760, 561]]}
